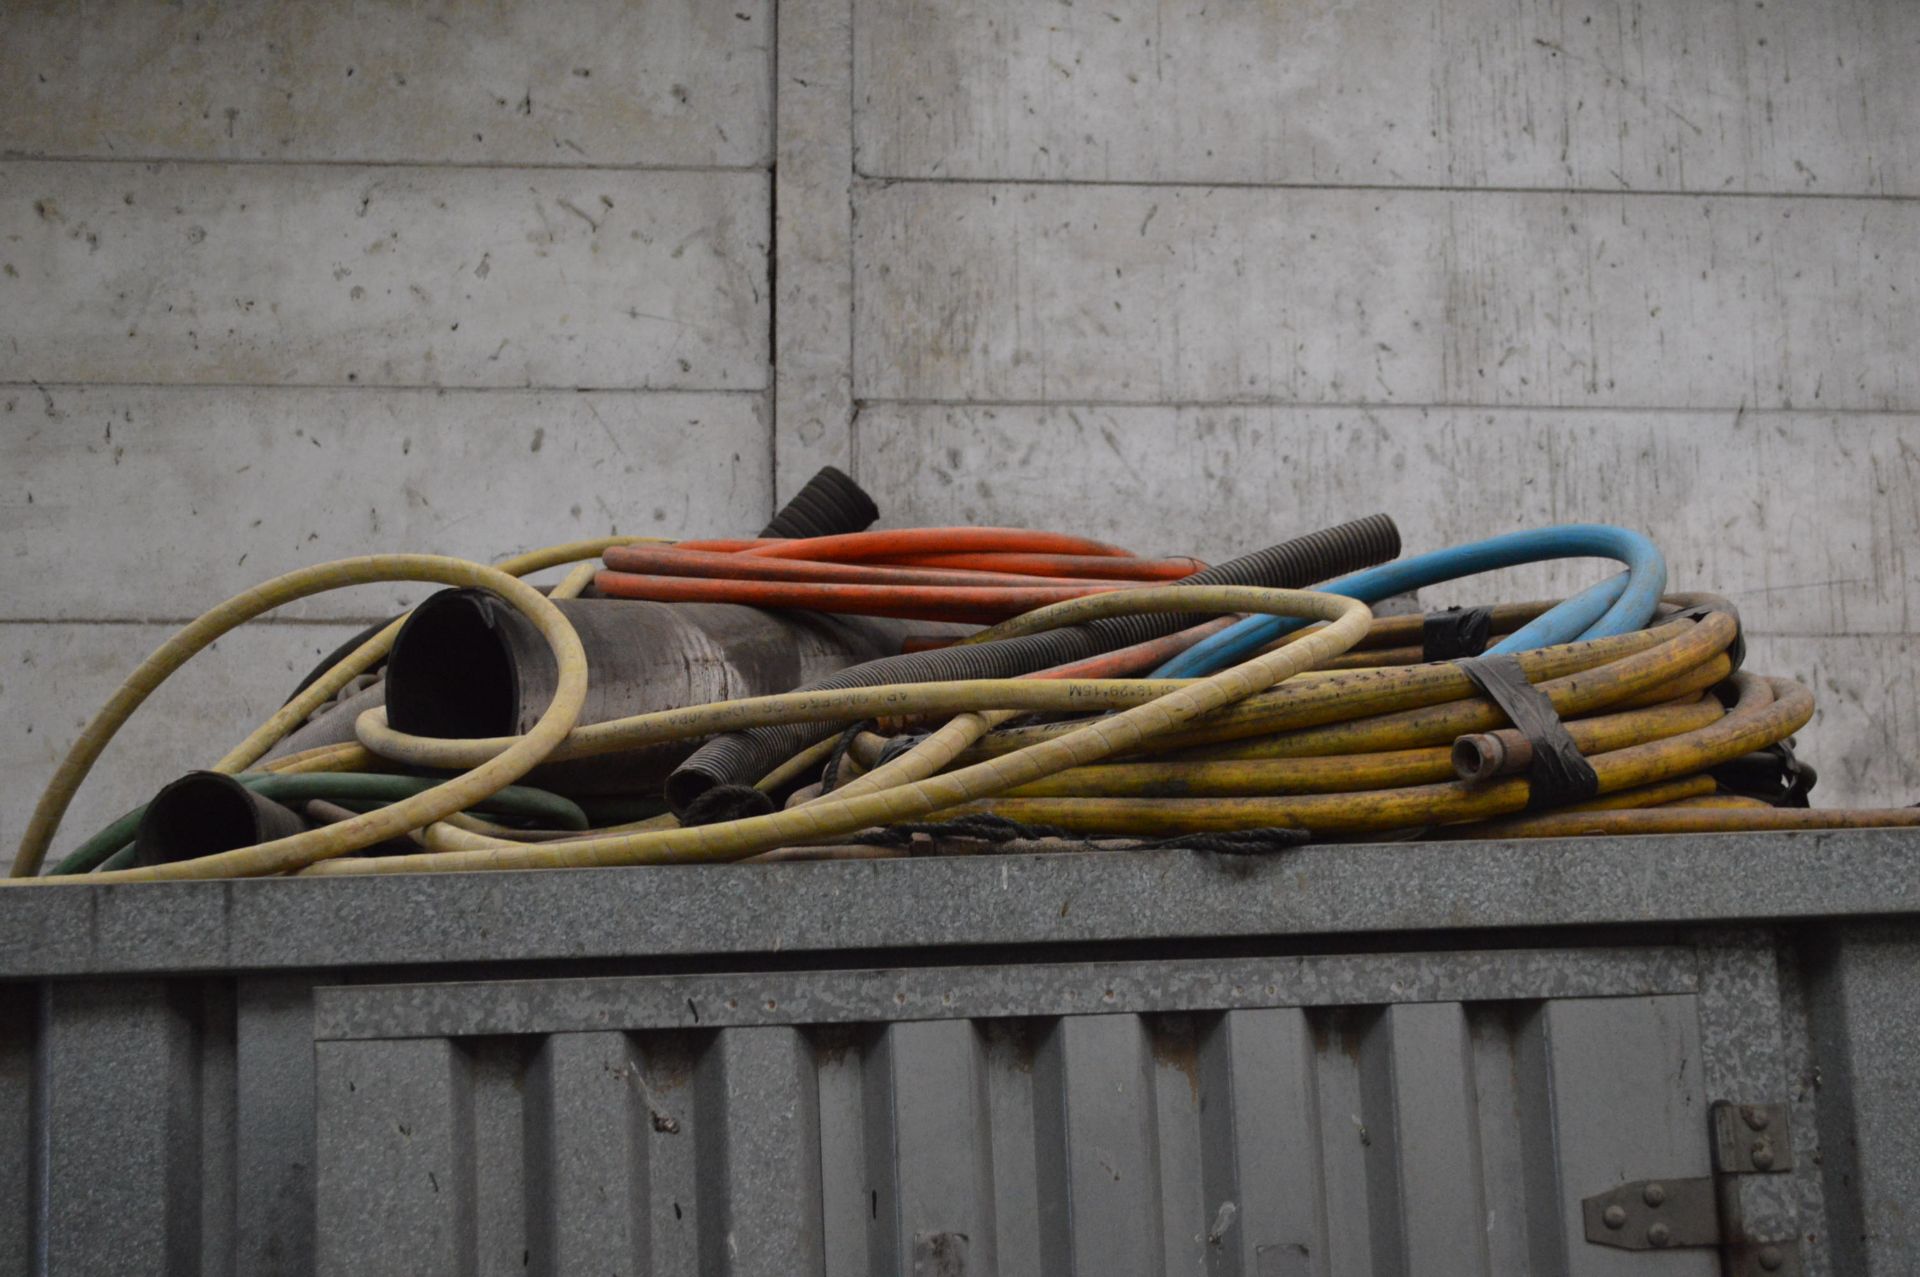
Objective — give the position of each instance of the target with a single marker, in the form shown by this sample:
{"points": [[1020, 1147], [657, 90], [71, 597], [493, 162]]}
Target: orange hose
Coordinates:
{"points": [[914, 603], [1082, 565], [664, 560], [895, 542]]}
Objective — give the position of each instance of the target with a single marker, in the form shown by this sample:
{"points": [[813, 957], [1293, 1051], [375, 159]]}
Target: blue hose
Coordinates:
{"points": [[1616, 606]]}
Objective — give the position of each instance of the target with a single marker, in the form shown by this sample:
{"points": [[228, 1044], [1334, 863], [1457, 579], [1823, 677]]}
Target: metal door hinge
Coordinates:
{"points": [[1716, 1210]]}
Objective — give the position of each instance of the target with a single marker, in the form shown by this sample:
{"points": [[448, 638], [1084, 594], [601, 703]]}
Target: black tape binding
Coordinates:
{"points": [[1559, 773], [989, 828], [1455, 632]]}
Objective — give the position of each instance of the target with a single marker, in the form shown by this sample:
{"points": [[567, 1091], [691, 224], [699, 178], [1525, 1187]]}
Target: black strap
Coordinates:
{"points": [[987, 827], [1560, 774], [1455, 632]]}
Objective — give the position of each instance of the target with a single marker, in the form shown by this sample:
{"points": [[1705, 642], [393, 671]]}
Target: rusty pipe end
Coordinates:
{"points": [[1479, 757]]}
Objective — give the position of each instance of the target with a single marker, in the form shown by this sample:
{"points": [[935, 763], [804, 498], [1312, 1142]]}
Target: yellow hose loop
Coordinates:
{"points": [[362, 831], [1767, 711], [446, 835], [1730, 802], [1095, 740], [575, 583], [1365, 711], [375, 649], [810, 759], [1658, 794], [1321, 697], [1661, 791], [346, 756], [1343, 773]]}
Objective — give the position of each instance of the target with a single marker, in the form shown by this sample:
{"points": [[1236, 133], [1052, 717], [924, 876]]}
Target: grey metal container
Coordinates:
{"points": [[1354, 1059]]}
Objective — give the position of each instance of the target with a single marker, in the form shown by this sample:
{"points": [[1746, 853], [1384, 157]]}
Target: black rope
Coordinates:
{"points": [[724, 803], [830, 774], [989, 828]]}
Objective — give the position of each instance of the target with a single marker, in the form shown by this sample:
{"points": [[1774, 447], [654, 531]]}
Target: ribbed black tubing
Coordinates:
{"points": [[830, 505], [716, 782]]}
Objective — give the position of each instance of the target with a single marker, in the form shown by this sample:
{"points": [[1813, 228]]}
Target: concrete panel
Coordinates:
{"points": [[1724, 95], [53, 678], [1866, 1034], [1865, 735], [222, 488], [1165, 294], [341, 275], [813, 192], [134, 1077], [1808, 522], [598, 82]]}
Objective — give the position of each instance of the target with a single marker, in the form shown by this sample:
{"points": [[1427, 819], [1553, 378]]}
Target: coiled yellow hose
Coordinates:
{"points": [[362, 831]]}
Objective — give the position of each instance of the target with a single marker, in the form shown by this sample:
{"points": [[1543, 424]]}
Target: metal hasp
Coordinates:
{"points": [[1664, 1214]]}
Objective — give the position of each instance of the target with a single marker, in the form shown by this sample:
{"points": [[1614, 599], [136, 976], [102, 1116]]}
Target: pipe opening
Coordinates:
{"points": [[1472, 760], [207, 812], [453, 672], [685, 787]]}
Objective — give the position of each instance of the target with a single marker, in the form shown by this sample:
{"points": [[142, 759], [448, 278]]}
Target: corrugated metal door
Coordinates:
{"points": [[1352, 1114]]}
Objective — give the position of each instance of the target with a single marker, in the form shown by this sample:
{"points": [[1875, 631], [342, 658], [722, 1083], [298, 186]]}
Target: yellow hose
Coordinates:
{"points": [[330, 840], [1093, 741], [1343, 773], [1331, 697], [1365, 711], [695, 721], [1767, 711], [1714, 819], [810, 759], [346, 756]]}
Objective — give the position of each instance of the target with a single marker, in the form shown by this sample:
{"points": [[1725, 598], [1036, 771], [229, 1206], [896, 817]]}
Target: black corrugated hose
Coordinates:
{"points": [[716, 783], [831, 504]]}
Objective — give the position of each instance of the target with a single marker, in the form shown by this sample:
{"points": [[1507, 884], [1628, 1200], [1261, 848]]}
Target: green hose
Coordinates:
{"points": [[110, 848], [121, 859]]}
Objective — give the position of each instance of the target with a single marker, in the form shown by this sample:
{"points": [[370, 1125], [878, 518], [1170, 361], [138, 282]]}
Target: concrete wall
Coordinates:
{"points": [[285, 282], [1196, 277]]}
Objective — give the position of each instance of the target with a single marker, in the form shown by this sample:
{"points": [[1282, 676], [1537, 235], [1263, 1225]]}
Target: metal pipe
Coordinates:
{"points": [[333, 725], [465, 666], [1485, 755], [205, 812]]}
